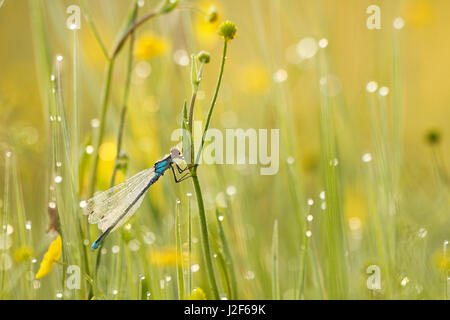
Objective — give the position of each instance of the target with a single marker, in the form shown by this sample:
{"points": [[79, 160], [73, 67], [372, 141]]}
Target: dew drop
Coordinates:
{"points": [[149, 238], [181, 57], [115, 249], [231, 190], [384, 91], [307, 48], [367, 157], [250, 275], [371, 86], [134, 245], [195, 267], [95, 123], [323, 43], [398, 23], [89, 149], [280, 76]]}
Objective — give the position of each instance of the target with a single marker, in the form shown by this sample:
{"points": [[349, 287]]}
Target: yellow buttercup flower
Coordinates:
{"points": [[23, 254], [150, 45], [52, 255], [197, 294]]}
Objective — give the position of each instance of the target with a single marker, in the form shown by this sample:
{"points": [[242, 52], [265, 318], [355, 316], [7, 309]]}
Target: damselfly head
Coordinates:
{"points": [[176, 153]]}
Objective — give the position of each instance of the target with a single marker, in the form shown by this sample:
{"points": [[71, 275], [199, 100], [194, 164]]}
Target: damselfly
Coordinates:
{"points": [[110, 209]]}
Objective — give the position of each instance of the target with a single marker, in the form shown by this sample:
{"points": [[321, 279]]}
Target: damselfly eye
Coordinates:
{"points": [[175, 152]]}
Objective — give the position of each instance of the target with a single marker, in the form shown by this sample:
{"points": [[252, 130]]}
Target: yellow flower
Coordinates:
{"points": [[441, 262], [23, 254], [355, 208], [51, 256], [419, 12], [197, 294], [164, 257], [150, 45]]}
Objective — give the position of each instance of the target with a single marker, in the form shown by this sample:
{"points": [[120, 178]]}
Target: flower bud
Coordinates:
{"points": [[204, 57], [227, 30], [213, 14]]}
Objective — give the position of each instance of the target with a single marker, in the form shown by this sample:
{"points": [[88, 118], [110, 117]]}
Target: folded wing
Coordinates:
{"points": [[116, 205]]}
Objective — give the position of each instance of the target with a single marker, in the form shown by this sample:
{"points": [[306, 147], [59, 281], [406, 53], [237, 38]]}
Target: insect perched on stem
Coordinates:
{"points": [[110, 209]]}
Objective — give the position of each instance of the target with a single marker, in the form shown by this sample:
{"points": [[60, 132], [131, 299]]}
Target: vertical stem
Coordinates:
{"points": [[446, 272], [124, 109], [213, 102], [75, 123], [205, 239], [198, 191], [275, 264], [189, 245], [179, 259]]}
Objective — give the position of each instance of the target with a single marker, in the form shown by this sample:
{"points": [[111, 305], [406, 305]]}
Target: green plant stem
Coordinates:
{"points": [[94, 28], [124, 110], [198, 191], [205, 239], [213, 102], [275, 264], [228, 259], [179, 259], [189, 246]]}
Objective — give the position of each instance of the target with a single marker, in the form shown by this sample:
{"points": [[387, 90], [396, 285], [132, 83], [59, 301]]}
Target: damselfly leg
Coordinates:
{"points": [[187, 175]]}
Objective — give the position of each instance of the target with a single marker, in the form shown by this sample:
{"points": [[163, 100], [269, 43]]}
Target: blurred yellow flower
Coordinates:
{"points": [[355, 208], [441, 262], [419, 12], [23, 254], [150, 45], [255, 78], [206, 28], [163, 257], [107, 151], [51, 256], [197, 294]]}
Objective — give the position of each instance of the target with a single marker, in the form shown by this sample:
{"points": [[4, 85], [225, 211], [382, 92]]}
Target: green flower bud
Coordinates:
{"points": [[204, 57], [227, 30], [168, 6], [213, 15]]}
